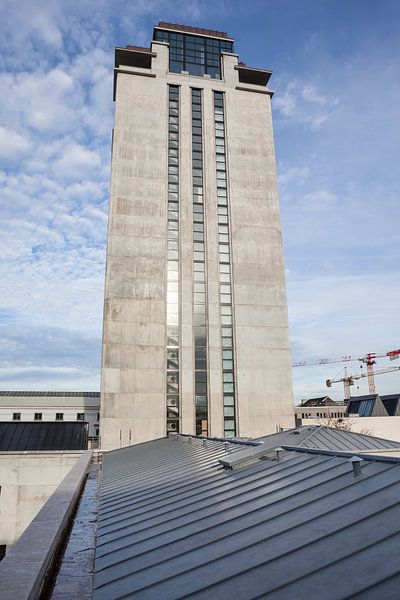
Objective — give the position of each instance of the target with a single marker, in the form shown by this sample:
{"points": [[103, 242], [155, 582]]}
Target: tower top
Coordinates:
{"points": [[193, 30]]}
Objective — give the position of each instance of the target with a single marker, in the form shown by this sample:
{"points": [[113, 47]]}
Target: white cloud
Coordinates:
{"points": [[13, 146], [293, 175], [310, 94], [77, 163], [304, 105]]}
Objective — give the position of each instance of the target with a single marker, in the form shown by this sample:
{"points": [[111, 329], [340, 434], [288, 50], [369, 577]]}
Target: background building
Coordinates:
{"points": [[51, 406], [319, 408], [195, 323]]}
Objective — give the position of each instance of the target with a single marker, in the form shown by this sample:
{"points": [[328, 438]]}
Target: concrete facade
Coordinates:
{"points": [[48, 404], [133, 388], [27, 480]]}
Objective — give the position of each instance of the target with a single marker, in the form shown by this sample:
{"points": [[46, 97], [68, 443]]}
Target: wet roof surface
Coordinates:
{"points": [[174, 524]]}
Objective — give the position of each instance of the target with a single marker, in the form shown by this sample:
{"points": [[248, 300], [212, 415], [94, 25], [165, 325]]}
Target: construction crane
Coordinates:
{"points": [[368, 359], [348, 380]]}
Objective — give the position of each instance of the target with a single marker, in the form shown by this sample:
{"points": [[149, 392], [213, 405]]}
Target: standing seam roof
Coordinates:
{"points": [[174, 524], [21, 436]]}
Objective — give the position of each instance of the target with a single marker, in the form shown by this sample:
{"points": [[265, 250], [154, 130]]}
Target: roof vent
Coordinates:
{"points": [[356, 463]]}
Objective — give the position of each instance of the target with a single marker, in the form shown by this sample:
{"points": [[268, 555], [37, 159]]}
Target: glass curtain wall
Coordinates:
{"points": [[199, 285], [172, 372], [225, 272], [196, 54]]}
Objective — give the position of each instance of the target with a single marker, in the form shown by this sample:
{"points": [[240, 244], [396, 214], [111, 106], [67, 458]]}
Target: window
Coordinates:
{"points": [[199, 287], [195, 54], [38, 416], [80, 416], [172, 363], [59, 416], [3, 549], [224, 269], [16, 416]]}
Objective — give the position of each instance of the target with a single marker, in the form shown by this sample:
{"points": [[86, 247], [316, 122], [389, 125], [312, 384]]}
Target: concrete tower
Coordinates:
{"points": [[195, 323]]}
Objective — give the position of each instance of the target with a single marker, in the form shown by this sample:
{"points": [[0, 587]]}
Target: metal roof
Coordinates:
{"points": [[21, 436], [327, 438], [369, 405], [391, 403], [174, 524]]}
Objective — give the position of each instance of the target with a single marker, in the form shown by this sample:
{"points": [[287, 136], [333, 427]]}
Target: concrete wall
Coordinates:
{"points": [[27, 480], [384, 427], [133, 407], [263, 360]]}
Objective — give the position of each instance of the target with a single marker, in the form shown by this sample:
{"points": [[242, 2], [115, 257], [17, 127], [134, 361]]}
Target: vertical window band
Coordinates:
{"points": [[225, 271], [199, 282], [173, 281]]}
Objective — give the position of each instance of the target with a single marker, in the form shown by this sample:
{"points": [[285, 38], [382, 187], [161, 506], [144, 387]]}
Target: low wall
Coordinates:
{"points": [[27, 480], [26, 569]]}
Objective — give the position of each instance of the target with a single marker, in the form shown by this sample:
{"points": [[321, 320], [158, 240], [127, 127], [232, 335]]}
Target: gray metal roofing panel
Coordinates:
{"points": [[291, 437], [174, 524], [22, 436], [330, 438]]}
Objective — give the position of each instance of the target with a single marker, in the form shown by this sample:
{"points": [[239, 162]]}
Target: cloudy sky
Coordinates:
{"points": [[337, 125]]}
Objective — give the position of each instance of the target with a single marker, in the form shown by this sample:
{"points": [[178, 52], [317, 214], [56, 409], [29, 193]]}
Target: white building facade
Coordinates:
{"points": [[195, 335], [51, 406]]}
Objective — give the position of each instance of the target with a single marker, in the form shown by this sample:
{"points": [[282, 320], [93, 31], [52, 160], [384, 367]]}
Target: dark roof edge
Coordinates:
{"points": [[194, 30], [253, 75]]}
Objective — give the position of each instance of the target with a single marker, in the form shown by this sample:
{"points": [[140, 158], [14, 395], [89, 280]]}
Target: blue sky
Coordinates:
{"points": [[336, 109]]}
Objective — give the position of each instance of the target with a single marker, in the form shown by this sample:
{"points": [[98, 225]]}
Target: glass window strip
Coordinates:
{"points": [[227, 340], [173, 285], [199, 285]]}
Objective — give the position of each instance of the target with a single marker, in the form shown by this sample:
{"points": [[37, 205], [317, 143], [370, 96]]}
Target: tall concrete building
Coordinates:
{"points": [[195, 324]]}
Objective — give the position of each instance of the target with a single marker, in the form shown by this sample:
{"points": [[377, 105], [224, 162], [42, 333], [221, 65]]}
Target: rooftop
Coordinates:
{"points": [[302, 513], [194, 30], [174, 523]]}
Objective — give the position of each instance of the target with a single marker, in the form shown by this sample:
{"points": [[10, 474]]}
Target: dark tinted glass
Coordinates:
{"points": [[197, 55]]}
